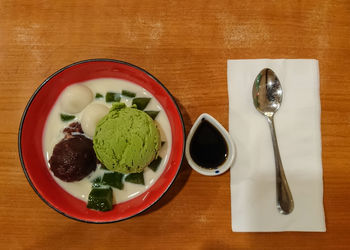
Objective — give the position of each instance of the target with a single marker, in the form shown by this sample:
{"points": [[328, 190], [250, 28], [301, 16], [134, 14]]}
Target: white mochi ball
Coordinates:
{"points": [[91, 116], [75, 98]]}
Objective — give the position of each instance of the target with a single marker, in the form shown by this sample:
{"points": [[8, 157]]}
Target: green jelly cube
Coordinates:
{"points": [[65, 117], [112, 97], [136, 178], [101, 199], [96, 182], [98, 95], [113, 179], [128, 93], [153, 114], [141, 102], [155, 164]]}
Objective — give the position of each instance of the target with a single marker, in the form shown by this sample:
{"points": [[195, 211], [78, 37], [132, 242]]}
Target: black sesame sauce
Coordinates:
{"points": [[208, 148]]}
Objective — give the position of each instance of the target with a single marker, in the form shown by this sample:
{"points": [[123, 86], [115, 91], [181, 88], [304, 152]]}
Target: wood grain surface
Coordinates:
{"points": [[185, 44]]}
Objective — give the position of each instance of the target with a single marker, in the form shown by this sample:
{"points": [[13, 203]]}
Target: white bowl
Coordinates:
{"points": [[230, 146]]}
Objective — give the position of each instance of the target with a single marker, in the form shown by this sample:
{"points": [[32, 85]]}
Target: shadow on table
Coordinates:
{"points": [[183, 174]]}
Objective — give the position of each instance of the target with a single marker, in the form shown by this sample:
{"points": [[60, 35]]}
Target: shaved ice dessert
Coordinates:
{"points": [[106, 141]]}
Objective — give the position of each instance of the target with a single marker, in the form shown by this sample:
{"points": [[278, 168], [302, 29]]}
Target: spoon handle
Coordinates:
{"points": [[285, 203]]}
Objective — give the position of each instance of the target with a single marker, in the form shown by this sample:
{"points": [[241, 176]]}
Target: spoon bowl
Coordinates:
{"points": [[267, 97], [267, 92]]}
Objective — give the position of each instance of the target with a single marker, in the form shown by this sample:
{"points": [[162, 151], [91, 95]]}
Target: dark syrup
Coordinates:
{"points": [[208, 148]]}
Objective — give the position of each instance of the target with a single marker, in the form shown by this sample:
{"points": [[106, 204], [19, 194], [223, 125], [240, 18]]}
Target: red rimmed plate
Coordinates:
{"points": [[33, 123]]}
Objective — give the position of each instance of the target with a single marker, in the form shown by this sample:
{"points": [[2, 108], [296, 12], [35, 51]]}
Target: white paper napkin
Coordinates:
{"points": [[297, 122]]}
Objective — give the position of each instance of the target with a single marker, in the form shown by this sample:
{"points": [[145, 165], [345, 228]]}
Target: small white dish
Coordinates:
{"points": [[231, 152]]}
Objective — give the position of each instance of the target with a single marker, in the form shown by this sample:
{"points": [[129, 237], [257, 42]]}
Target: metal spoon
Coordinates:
{"points": [[267, 96]]}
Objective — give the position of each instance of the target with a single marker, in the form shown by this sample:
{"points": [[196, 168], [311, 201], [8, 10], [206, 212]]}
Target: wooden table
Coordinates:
{"points": [[186, 45]]}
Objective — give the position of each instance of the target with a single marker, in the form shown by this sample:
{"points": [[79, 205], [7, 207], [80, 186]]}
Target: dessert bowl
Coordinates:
{"points": [[32, 125]]}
